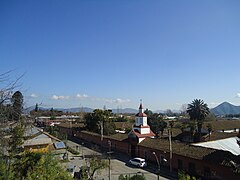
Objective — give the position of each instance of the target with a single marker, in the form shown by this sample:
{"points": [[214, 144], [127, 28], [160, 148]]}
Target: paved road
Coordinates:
{"points": [[119, 165]]}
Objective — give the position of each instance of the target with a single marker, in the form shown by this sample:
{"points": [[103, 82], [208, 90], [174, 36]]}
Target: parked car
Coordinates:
{"points": [[139, 162]]}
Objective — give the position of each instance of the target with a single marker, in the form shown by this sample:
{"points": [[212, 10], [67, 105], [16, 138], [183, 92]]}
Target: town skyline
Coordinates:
{"points": [[95, 54]]}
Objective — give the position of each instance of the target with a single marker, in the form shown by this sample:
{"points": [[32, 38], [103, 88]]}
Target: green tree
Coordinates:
{"points": [[92, 166], [162, 126], [90, 122], [148, 112], [122, 177], [135, 177], [182, 175], [36, 108], [17, 101], [156, 122], [93, 120], [109, 128], [138, 177], [198, 110], [209, 128], [16, 139], [37, 166], [5, 172], [192, 129]]}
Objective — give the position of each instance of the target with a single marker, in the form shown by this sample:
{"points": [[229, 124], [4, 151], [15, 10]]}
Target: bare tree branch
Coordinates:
{"points": [[8, 86]]}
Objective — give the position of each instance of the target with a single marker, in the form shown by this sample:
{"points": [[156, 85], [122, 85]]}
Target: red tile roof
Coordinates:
{"points": [[151, 134], [141, 115], [141, 126]]}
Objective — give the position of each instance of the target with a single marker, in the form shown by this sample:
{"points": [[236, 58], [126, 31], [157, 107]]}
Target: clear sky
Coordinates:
{"points": [[114, 53]]}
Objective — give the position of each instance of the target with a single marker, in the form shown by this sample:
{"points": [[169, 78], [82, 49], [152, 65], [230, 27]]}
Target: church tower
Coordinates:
{"points": [[141, 129]]}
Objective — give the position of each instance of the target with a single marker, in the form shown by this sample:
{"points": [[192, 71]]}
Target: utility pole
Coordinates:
{"points": [[82, 150], [109, 159], [158, 173], [170, 149], [101, 124]]}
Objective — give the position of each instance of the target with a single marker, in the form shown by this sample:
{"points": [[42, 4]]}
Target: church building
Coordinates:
{"points": [[141, 129]]}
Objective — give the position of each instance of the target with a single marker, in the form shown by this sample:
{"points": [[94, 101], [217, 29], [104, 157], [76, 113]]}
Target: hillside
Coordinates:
{"points": [[225, 108]]}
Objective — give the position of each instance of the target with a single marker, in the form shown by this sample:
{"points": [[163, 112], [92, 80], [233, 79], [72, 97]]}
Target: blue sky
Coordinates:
{"points": [[114, 53]]}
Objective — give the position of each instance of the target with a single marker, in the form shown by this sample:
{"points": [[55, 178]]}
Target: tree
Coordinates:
{"points": [[153, 122], [134, 177], [209, 128], [192, 129], [182, 175], [169, 112], [109, 128], [162, 126], [7, 86], [90, 122], [93, 120], [93, 165], [17, 101], [148, 112], [16, 139], [37, 166], [138, 177], [156, 122], [5, 172], [198, 110], [36, 108]]}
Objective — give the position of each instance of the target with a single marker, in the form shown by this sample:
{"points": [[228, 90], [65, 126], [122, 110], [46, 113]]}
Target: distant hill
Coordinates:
{"points": [[125, 111], [73, 110], [225, 108], [87, 109], [82, 109]]}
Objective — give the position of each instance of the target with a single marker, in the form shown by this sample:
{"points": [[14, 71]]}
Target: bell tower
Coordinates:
{"points": [[141, 129]]}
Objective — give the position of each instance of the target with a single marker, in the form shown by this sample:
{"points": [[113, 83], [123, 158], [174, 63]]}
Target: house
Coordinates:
{"points": [[39, 141], [37, 145]]}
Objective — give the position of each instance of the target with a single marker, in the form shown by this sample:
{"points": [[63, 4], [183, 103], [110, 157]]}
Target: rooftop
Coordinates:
{"points": [[229, 144], [35, 142]]}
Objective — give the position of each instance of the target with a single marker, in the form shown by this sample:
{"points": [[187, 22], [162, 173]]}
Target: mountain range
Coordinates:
{"points": [[224, 108], [83, 109]]}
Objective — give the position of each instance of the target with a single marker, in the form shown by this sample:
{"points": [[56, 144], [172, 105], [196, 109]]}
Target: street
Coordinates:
{"points": [[119, 165]]}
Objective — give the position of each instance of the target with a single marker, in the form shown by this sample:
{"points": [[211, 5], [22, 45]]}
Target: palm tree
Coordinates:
{"points": [[198, 110]]}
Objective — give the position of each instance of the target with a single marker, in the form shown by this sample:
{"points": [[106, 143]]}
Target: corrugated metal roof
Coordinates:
{"points": [[228, 144], [41, 136], [34, 142]]}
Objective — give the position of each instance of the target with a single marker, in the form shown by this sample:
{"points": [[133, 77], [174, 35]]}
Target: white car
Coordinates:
{"points": [[139, 162]]}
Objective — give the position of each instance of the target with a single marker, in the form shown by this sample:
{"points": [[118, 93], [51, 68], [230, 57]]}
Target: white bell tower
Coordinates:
{"points": [[141, 121]]}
